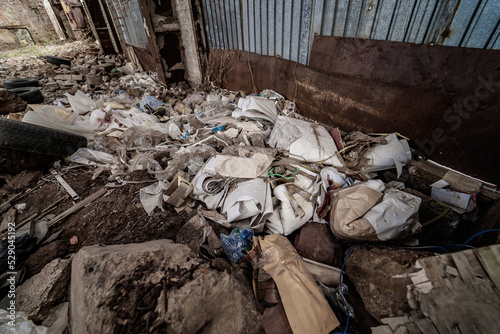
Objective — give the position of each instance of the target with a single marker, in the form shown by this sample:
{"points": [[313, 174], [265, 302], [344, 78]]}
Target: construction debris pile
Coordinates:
{"points": [[81, 66], [290, 196]]}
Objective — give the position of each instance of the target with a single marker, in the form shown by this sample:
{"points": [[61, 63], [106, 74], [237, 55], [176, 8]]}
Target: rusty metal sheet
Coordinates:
{"points": [[336, 100], [465, 137]]}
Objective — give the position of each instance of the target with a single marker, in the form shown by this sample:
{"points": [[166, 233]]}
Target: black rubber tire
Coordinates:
{"points": [[58, 60], [20, 82], [39, 139], [29, 94]]}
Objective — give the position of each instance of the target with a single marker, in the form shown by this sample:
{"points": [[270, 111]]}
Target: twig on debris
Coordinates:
{"points": [[77, 207], [255, 91]]}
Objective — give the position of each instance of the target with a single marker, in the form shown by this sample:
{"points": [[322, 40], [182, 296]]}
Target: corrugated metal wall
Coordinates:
{"points": [[286, 28], [127, 18]]}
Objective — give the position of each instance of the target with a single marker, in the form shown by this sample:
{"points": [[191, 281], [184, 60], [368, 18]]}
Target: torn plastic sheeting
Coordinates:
{"points": [[142, 137], [295, 209], [258, 108], [90, 157], [152, 196], [395, 153], [81, 103], [284, 133], [249, 199], [363, 213], [196, 232], [50, 118], [150, 101], [314, 145], [305, 306], [134, 117], [306, 180], [245, 168], [215, 217], [394, 214]]}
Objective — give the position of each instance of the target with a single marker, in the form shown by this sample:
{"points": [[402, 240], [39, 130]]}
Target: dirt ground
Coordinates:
{"points": [[116, 218]]}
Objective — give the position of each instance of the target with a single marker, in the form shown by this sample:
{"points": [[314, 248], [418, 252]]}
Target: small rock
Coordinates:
{"points": [[93, 80], [108, 283], [38, 295], [73, 240]]}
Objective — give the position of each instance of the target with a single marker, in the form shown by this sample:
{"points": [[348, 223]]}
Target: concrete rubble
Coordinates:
{"points": [[239, 176], [169, 293]]}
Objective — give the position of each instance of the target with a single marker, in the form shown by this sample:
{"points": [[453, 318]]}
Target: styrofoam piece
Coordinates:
{"points": [[450, 197]]}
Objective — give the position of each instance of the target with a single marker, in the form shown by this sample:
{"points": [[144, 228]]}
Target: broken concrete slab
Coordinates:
{"points": [[144, 282], [39, 294]]}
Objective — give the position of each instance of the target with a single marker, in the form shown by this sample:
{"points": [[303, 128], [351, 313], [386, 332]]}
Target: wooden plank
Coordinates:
{"points": [[426, 326], [491, 263], [77, 207], [465, 304]]}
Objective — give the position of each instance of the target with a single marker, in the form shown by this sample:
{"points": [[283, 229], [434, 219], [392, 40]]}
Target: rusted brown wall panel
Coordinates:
{"points": [[336, 100], [466, 136], [29, 13]]}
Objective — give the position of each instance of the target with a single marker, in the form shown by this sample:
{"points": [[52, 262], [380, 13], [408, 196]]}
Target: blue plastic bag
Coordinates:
{"points": [[236, 242]]}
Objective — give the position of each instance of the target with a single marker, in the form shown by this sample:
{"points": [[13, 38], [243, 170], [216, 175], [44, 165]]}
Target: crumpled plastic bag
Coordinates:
{"points": [[151, 101], [395, 153], [81, 103], [90, 157], [305, 141], [48, 116], [152, 196], [236, 242]]}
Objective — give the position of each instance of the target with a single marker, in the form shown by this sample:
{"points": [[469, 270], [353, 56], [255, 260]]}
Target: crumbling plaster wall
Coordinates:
{"points": [[8, 39], [30, 14]]}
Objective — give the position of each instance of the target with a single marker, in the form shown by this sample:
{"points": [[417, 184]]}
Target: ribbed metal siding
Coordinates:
{"points": [[127, 18], [286, 28]]}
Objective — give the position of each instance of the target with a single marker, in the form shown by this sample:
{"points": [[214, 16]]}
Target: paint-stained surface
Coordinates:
{"points": [[287, 28]]}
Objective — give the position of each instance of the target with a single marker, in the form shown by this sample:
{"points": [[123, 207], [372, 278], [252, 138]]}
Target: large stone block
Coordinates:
{"points": [[123, 287]]}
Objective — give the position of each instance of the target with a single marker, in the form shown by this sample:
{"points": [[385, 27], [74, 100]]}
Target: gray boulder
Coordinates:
{"points": [[157, 286]]}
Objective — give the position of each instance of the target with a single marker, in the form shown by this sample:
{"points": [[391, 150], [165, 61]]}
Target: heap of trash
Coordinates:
{"points": [[254, 165]]}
